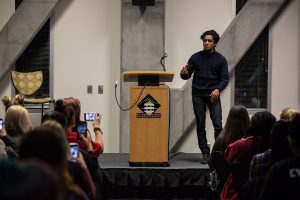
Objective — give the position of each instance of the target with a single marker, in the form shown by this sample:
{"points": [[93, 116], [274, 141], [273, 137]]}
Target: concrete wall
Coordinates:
{"points": [[6, 10], [285, 59], [142, 47]]}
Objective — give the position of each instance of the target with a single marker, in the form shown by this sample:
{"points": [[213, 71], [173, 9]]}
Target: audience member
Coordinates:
{"points": [[261, 163], [3, 154], [283, 179], [62, 120], [10, 145], [279, 148], [240, 153], [56, 116], [78, 168], [263, 126], [67, 107], [287, 113], [17, 100], [30, 180], [16, 124], [236, 126], [48, 144], [84, 166], [75, 103]]}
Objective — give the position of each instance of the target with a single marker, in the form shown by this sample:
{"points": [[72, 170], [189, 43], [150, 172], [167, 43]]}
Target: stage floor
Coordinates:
{"points": [[185, 178], [177, 161]]}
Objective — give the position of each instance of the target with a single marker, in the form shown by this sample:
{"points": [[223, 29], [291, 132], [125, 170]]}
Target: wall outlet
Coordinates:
{"points": [[90, 89], [100, 89]]}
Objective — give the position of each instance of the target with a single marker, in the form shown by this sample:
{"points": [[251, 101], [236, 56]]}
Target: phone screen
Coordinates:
{"points": [[1, 124], [90, 116], [74, 150], [81, 129]]}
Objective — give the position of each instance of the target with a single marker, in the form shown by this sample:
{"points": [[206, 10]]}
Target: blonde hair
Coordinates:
{"points": [[287, 113], [17, 121]]}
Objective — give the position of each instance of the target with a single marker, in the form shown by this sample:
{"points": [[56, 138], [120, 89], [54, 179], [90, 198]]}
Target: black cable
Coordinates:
{"points": [[165, 85], [122, 109]]}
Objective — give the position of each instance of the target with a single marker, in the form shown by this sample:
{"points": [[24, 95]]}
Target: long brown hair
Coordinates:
{"points": [[75, 103], [48, 143], [236, 126], [67, 110]]}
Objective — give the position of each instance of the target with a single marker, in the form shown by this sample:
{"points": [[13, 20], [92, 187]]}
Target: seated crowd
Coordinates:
{"points": [[257, 158], [39, 158]]}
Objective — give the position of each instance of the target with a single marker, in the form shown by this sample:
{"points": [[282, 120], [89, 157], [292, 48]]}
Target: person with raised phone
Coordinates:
{"points": [[77, 131]]}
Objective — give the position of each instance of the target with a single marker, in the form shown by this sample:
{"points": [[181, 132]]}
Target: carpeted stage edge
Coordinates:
{"points": [[185, 178]]}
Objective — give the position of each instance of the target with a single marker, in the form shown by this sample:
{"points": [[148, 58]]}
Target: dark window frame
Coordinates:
{"points": [[251, 81], [36, 57]]}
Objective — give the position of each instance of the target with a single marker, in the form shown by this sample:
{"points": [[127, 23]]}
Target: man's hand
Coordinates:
{"points": [[215, 94], [184, 70]]}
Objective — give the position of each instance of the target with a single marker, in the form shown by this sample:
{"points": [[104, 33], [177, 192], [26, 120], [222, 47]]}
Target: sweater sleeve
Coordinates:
{"points": [[190, 68]]}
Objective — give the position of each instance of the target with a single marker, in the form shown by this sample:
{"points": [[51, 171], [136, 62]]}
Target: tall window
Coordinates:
{"points": [[36, 57], [251, 73]]}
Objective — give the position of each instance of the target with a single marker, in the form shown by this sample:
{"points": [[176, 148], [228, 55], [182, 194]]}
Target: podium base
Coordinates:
{"points": [[149, 164]]}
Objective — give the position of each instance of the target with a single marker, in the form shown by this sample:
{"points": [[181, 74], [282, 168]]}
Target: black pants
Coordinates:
{"points": [[215, 111]]}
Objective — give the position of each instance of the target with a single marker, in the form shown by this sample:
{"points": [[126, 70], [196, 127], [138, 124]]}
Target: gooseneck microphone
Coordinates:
{"points": [[162, 61]]}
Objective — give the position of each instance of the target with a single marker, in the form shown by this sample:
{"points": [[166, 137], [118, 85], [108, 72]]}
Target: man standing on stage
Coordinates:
{"points": [[210, 78]]}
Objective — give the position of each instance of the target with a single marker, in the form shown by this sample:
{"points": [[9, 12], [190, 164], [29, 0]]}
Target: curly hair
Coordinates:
{"points": [[213, 33], [261, 125], [287, 113], [17, 100]]}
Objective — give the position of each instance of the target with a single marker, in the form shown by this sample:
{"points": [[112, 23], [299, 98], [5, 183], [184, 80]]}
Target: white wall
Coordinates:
{"points": [[86, 51], [186, 20], [285, 57], [6, 10]]}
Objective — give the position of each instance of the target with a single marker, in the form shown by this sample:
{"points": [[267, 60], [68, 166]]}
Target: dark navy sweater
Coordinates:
{"points": [[210, 72]]}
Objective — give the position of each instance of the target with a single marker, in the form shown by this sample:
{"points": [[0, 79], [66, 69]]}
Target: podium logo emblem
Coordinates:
{"points": [[149, 107]]}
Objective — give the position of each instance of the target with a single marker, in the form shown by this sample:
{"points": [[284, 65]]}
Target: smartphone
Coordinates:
{"points": [[81, 129], [1, 124], [90, 116], [74, 150]]}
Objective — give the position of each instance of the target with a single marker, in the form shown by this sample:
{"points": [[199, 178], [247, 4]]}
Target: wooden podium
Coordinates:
{"points": [[149, 118]]}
